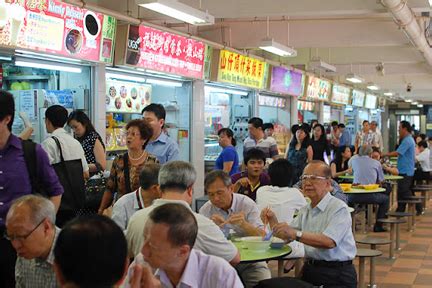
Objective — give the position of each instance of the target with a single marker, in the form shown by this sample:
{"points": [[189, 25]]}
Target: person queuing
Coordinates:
{"points": [[378, 139], [339, 166], [258, 139], [125, 170], [364, 137], [300, 151], [319, 143], [228, 159], [159, 144], [345, 136]]}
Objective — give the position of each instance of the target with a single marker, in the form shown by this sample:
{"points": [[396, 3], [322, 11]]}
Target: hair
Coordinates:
{"points": [[255, 154], [365, 150], [314, 121], [146, 131], [149, 175], [422, 136], [157, 109], [57, 115], [183, 227], [338, 157], [334, 123], [177, 175], [341, 125], [256, 122], [365, 121], [7, 107], [294, 128], [268, 126], [229, 133], [374, 123], [423, 144], [40, 208], [306, 141], [91, 251], [324, 167], [215, 175], [82, 118], [281, 173], [376, 149], [406, 125], [323, 137]]}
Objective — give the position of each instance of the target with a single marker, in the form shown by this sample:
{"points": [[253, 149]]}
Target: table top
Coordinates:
{"points": [[364, 191], [386, 177], [250, 256]]}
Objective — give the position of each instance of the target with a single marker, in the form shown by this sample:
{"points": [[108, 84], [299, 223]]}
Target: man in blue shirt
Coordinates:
{"points": [[345, 138], [160, 145], [405, 164]]}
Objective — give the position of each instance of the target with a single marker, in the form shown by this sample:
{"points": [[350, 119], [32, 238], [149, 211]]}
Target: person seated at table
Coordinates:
{"points": [[335, 190], [368, 171], [324, 227], [423, 169], [238, 213], [339, 166], [170, 235], [247, 182], [386, 166]]}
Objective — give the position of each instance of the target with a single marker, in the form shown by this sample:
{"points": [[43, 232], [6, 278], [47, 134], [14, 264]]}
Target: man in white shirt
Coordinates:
{"points": [[378, 139], [364, 137], [423, 158]]}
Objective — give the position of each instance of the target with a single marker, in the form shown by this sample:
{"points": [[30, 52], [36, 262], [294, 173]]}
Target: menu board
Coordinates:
{"points": [[340, 94], [358, 98], [55, 27], [305, 106], [127, 96], [382, 103], [161, 51], [371, 101], [318, 89], [271, 101], [241, 70], [287, 81]]}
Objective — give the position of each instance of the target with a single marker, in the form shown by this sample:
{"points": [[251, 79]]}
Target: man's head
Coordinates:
{"points": [[91, 251], [341, 127], [376, 153], [404, 128], [334, 125], [254, 161], [177, 177], [56, 117], [373, 125], [169, 235], [149, 180], [30, 226], [155, 115], [280, 172], [365, 125], [218, 186], [365, 150], [316, 180], [256, 128], [422, 145], [7, 111], [268, 129]]}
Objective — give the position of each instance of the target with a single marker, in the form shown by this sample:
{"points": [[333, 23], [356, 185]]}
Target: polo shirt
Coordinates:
{"points": [[406, 156], [268, 145], [264, 179]]}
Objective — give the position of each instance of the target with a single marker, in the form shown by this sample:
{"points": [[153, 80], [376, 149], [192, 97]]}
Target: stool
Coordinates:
{"points": [[411, 208], [423, 189], [362, 254], [394, 233], [399, 215]]}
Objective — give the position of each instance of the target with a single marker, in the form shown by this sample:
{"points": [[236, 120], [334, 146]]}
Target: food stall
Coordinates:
{"points": [[317, 90]]}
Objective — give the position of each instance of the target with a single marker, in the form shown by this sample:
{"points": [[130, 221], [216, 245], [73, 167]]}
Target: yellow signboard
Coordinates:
{"points": [[241, 70], [429, 126]]}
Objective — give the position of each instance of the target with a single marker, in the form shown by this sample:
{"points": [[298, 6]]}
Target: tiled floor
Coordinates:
{"points": [[413, 264]]}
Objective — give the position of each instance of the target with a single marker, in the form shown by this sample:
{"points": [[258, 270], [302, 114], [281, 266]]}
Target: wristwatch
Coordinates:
{"points": [[299, 234]]}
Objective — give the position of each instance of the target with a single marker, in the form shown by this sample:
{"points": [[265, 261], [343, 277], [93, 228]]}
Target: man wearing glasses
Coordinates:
{"points": [[31, 230], [324, 227]]}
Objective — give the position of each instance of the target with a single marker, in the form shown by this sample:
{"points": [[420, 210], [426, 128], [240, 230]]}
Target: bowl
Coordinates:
{"points": [[255, 243], [371, 186], [277, 243], [345, 186]]}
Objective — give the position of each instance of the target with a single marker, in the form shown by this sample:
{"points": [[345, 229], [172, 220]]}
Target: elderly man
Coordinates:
{"points": [[233, 211], [364, 137], [31, 230], [324, 227], [172, 230], [176, 180]]}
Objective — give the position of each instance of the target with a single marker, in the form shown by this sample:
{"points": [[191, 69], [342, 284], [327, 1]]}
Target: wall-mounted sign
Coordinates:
{"points": [[272, 101], [241, 70], [287, 81], [161, 51], [318, 89], [125, 96], [326, 114], [382, 103], [340, 94], [305, 106], [358, 98], [371, 101], [54, 27]]}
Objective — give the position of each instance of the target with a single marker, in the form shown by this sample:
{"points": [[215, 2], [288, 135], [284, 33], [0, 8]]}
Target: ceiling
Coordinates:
{"points": [[353, 35]]}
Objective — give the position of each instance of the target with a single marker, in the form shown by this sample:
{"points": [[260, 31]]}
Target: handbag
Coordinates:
{"points": [[94, 191]]}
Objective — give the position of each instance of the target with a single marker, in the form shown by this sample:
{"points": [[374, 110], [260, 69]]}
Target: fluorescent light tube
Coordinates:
{"points": [[5, 58], [40, 65], [164, 82], [420, 105], [408, 100], [35, 55], [226, 91], [178, 10], [274, 47], [389, 93], [414, 103], [354, 78], [125, 77], [372, 86]]}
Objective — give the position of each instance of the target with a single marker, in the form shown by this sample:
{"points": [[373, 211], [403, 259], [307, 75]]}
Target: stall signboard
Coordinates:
{"points": [[382, 103], [241, 70], [287, 81], [272, 101], [358, 98], [340, 94], [371, 101], [305, 106], [318, 89], [51, 26], [326, 114], [153, 49], [127, 97]]}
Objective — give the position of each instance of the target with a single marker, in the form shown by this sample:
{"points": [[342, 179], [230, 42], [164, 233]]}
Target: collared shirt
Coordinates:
{"points": [[125, 207], [268, 145], [37, 273], [210, 239], [14, 177], [331, 218], [240, 203], [365, 138], [345, 139], [378, 140], [264, 179], [367, 170], [406, 156], [164, 148], [70, 147], [423, 159]]}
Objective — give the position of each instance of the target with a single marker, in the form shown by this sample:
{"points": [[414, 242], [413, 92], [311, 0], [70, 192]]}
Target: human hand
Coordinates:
{"points": [[237, 219], [25, 119], [268, 217], [244, 182], [143, 277], [218, 220], [349, 170], [284, 231]]}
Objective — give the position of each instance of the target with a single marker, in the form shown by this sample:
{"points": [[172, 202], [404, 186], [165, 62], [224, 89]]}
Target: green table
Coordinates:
{"points": [[386, 177]]}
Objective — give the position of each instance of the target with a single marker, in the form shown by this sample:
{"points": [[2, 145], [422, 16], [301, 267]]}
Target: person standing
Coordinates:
{"points": [[300, 151], [345, 136], [228, 159], [258, 139], [319, 143], [378, 139], [334, 135], [364, 137]]}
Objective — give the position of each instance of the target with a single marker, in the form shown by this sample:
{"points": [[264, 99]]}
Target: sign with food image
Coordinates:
{"points": [[126, 96], [54, 27]]}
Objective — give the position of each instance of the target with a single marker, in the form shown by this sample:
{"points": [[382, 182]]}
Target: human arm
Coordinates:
{"points": [[26, 133], [56, 201], [391, 170], [309, 152], [111, 187], [241, 182], [99, 153], [239, 220], [317, 240], [173, 152], [142, 277]]}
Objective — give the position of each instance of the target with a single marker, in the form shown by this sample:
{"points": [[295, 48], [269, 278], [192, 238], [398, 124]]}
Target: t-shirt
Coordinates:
{"points": [[268, 145], [228, 154], [264, 179], [406, 156]]}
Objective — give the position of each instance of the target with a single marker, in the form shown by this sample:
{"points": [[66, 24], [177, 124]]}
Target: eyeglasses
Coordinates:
{"points": [[23, 237], [305, 177]]}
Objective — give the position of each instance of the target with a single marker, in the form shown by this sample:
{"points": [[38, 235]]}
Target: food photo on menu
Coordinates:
{"points": [[127, 97]]}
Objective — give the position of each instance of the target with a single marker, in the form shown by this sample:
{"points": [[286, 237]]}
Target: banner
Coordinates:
{"points": [[287, 81], [54, 27], [127, 96], [318, 89], [358, 98], [161, 51], [340, 94]]}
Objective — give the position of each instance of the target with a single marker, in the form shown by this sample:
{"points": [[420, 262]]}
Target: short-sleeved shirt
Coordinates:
{"points": [[264, 179], [125, 207], [228, 154], [423, 159], [268, 145], [367, 171], [240, 203], [331, 218], [164, 148], [406, 156], [365, 138], [345, 138]]}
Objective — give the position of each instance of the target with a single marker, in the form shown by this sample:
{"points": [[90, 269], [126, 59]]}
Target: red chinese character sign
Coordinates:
{"points": [[157, 50]]}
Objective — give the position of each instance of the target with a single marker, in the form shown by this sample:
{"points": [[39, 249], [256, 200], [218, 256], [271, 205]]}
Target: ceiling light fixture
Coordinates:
{"points": [[420, 105], [41, 65], [164, 82], [125, 77], [408, 100], [372, 86], [351, 77], [388, 94], [226, 91], [274, 47], [177, 10], [415, 103]]}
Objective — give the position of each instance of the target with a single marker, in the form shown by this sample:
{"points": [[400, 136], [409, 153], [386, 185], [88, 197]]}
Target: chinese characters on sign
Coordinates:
{"points": [[318, 89], [157, 50], [241, 70], [340, 94]]}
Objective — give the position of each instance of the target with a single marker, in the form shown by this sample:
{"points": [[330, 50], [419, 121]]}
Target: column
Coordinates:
{"points": [[98, 110], [294, 110]]}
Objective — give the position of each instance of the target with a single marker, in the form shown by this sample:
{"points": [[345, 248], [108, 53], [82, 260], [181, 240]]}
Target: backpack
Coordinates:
{"points": [[29, 149]]}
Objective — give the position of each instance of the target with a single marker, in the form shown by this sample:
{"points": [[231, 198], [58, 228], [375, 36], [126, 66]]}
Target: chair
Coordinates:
{"points": [[362, 254], [394, 232], [400, 215], [424, 190], [374, 241], [411, 208]]}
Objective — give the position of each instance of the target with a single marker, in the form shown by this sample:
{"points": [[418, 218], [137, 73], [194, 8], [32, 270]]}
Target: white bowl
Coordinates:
{"points": [[255, 243]]}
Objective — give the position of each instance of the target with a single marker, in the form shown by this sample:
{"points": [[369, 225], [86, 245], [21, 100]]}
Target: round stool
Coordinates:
{"points": [[400, 215], [411, 208], [424, 190], [394, 233], [367, 253]]}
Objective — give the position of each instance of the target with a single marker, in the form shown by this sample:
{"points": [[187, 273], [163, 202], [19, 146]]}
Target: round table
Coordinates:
{"points": [[386, 177], [250, 256]]}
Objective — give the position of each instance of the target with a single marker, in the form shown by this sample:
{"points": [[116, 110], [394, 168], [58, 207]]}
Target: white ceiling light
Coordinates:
{"points": [[210, 89], [389, 93], [372, 86], [164, 82], [414, 103], [274, 47], [420, 105], [351, 77], [408, 100], [177, 10], [430, 2], [42, 65], [124, 77]]}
